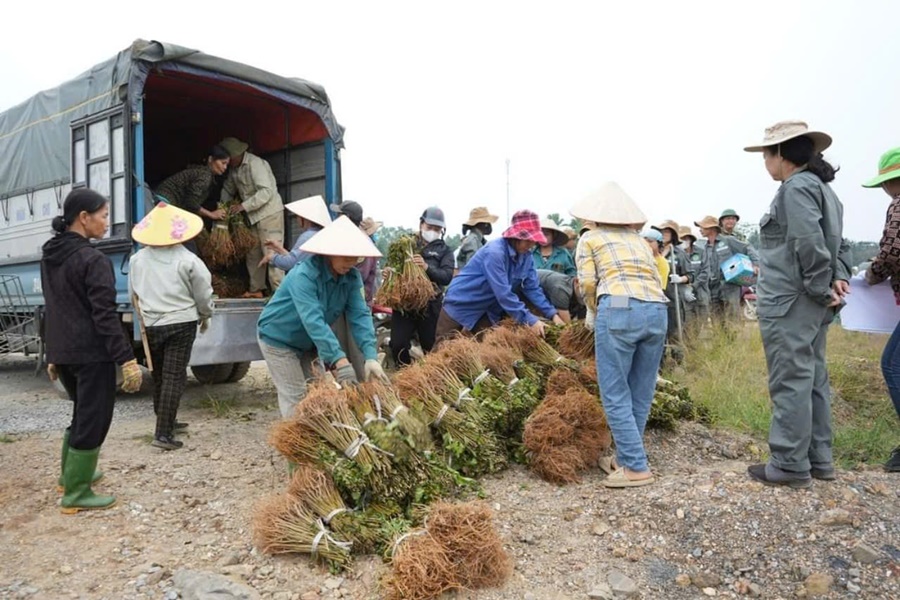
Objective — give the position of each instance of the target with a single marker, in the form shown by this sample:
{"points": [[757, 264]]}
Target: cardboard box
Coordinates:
{"points": [[738, 270]]}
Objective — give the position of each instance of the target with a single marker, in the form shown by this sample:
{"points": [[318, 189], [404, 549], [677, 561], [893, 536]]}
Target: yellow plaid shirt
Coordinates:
{"points": [[616, 261]]}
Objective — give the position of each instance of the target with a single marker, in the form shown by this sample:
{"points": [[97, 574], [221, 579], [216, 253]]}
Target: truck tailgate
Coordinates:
{"points": [[231, 336]]}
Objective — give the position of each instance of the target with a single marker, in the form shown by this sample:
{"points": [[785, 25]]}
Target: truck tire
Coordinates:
{"points": [[240, 369], [219, 373]]}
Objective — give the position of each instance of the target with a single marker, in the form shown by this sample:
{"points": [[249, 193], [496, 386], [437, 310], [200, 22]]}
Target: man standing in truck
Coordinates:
{"points": [[252, 184]]}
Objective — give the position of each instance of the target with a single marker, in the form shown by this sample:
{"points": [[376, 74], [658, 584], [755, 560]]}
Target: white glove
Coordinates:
{"points": [[589, 319], [374, 371], [676, 278], [689, 295]]}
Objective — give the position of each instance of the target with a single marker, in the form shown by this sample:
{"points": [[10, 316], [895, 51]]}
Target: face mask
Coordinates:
{"points": [[430, 236]]}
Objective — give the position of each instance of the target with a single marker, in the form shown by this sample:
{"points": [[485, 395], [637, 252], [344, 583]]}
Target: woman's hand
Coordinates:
{"points": [[276, 246], [217, 215]]}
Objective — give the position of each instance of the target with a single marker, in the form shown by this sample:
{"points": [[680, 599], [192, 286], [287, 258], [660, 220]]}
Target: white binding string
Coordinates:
{"points": [[357, 444], [514, 381], [323, 533], [397, 411], [333, 514], [403, 537], [463, 395], [484, 375], [440, 415]]}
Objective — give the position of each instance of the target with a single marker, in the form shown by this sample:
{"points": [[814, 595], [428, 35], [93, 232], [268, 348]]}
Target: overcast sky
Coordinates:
{"points": [[659, 96]]}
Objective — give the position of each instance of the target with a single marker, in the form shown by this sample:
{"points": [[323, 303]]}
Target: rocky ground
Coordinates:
{"points": [[183, 518]]}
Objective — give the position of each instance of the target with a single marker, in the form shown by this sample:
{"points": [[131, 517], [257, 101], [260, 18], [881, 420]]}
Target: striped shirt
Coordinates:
{"points": [[616, 261]]}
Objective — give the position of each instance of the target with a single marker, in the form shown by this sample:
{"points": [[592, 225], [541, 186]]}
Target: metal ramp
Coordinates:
{"points": [[20, 323]]}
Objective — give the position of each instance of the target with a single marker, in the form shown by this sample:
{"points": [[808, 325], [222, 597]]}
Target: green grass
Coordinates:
{"points": [[5, 439], [729, 376], [221, 406]]}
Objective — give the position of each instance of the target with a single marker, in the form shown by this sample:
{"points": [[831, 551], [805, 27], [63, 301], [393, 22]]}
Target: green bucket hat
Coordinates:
{"points": [[888, 168], [233, 146], [729, 212]]}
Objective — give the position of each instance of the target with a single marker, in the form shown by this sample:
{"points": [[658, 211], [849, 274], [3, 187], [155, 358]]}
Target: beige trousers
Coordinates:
{"points": [[269, 228]]}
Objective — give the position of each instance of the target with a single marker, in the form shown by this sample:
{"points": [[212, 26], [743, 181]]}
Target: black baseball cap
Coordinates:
{"points": [[352, 209]]}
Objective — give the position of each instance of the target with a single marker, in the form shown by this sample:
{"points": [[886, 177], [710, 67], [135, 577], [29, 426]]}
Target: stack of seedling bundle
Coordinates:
{"points": [[406, 286], [229, 241], [371, 458]]}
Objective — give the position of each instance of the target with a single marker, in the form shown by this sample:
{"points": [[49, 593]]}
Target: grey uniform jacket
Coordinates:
{"points": [[726, 247], [802, 250], [471, 243]]}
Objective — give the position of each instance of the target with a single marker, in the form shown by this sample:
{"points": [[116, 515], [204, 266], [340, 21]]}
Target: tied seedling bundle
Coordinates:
{"points": [[576, 341], [406, 286], [468, 445], [219, 247], [457, 549], [673, 403], [242, 238], [567, 432], [282, 524], [417, 475]]}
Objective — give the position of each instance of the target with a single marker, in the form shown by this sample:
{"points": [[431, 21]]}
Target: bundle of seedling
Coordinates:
{"points": [[457, 549], [406, 287], [567, 432], [229, 241]]}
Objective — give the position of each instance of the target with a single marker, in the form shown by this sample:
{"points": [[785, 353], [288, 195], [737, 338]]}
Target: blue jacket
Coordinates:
{"points": [[286, 262], [490, 285], [310, 298]]}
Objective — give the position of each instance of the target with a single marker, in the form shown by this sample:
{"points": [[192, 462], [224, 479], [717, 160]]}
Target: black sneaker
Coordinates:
{"points": [[823, 472], [179, 425], [893, 463], [166, 443], [770, 475]]}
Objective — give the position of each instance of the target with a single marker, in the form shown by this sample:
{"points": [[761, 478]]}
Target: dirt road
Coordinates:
{"points": [[703, 530]]}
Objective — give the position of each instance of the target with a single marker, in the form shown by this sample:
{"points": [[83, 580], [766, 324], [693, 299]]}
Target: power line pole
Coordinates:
{"points": [[507, 191]]}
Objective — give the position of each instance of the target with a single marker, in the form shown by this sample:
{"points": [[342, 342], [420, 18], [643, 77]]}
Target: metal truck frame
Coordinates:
{"points": [[121, 128]]}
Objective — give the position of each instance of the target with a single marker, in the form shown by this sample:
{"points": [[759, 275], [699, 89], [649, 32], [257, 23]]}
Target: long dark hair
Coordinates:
{"points": [[801, 151], [77, 202]]}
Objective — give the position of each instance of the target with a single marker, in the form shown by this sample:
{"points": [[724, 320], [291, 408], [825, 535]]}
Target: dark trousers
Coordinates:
{"points": [[92, 389], [447, 327], [170, 348], [404, 326], [890, 367]]}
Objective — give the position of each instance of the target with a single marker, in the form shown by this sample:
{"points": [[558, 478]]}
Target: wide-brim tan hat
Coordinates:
{"points": [[560, 238], [234, 146], [668, 224], [167, 225], [312, 209], [685, 231], [480, 214], [341, 238], [609, 205], [787, 130], [707, 222], [369, 226]]}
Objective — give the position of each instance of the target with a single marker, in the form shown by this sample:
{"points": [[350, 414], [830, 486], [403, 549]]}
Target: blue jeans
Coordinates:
{"points": [[629, 345], [890, 367]]}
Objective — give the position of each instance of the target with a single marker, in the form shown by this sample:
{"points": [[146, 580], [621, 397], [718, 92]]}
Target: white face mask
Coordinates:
{"points": [[429, 235]]}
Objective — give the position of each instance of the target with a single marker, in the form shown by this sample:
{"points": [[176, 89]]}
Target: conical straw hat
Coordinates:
{"points": [[167, 225], [341, 238], [312, 209], [609, 205], [560, 237]]}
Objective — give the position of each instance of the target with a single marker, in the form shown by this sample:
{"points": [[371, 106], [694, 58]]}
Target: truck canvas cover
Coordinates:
{"points": [[35, 135]]}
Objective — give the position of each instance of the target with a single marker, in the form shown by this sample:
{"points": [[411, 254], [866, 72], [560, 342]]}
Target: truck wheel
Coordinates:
{"points": [[213, 373], [240, 369]]}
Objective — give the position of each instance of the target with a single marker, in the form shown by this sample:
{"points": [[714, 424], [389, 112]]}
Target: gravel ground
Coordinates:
{"points": [[704, 530]]}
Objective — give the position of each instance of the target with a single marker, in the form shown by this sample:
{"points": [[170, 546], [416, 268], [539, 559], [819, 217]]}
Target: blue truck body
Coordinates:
{"points": [[126, 124]]}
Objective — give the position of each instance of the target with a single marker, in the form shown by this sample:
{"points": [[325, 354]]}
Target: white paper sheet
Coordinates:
{"points": [[870, 308]]}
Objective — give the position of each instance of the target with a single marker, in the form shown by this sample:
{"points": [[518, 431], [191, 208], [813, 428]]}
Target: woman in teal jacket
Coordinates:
{"points": [[295, 325], [553, 256]]}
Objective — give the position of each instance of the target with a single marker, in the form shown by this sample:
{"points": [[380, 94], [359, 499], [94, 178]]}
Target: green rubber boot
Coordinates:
{"points": [[60, 486], [78, 496]]}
